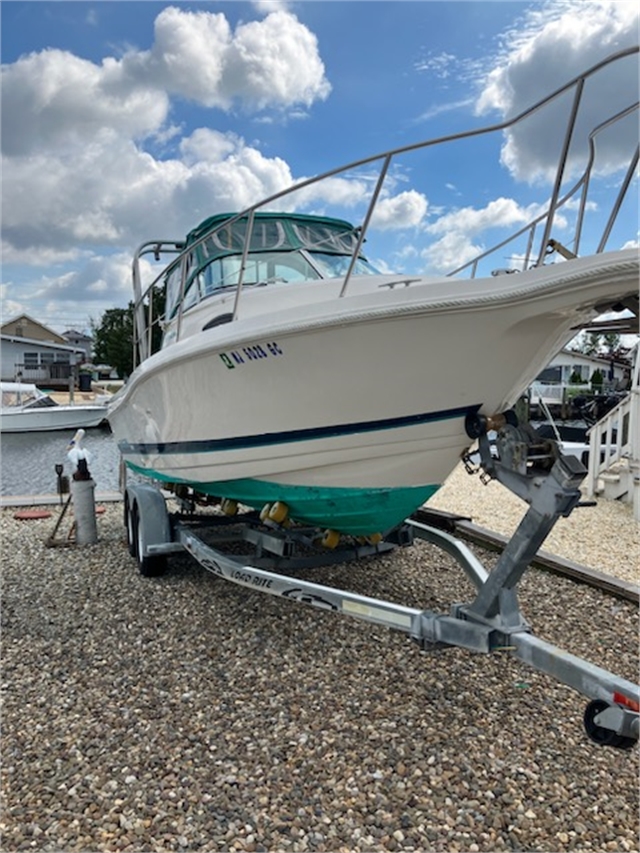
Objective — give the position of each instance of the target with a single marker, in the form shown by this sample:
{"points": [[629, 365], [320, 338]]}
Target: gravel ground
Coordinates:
{"points": [[184, 713], [605, 537]]}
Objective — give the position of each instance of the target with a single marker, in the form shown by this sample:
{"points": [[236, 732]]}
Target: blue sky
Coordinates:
{"points": [[129, 121]]}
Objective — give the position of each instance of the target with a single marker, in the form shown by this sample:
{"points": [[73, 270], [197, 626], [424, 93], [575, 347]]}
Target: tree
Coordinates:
{"points": [[113, 340], [597, 379], [113, 335], [611, 341], [588, 343], [595, 343]]}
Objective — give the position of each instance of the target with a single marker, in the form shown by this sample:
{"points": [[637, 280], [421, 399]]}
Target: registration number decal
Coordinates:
{"points": [[255, 352]]}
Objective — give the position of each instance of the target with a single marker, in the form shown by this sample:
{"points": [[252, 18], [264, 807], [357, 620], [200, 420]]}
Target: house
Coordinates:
{"points": [[32, 352], [570, 363], [26, 327], [571, 373], [80, 340]]}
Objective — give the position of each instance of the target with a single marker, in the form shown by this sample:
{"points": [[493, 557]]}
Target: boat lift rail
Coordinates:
{"points": [[143, 302], [531, 467]]}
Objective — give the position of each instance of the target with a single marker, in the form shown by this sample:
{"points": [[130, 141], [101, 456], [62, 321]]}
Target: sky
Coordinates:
{"points": [[124, 122]]}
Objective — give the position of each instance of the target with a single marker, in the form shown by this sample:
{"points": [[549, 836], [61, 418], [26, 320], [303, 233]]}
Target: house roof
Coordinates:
{"points": [[594, 358], [30, 320], [34, 342], [80, 336]]}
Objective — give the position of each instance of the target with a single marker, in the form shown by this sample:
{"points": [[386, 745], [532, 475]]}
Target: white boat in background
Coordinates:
{"points": [[25, 408], [292, 372]]}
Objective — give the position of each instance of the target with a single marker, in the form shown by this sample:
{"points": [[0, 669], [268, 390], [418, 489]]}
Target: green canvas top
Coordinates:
{"points": [[217, 239], [274, 232]]}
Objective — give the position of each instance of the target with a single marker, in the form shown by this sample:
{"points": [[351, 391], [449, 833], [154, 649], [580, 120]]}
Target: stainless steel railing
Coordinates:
{"points": [[534, 254]]}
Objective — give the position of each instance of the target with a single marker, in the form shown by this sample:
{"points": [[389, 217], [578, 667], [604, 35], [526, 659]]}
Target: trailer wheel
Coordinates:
{"points": [[600, 735], [150, 566], [129, 522]]}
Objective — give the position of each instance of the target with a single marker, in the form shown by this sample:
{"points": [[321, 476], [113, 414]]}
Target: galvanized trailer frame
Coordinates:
{"points": [[531, 467]]}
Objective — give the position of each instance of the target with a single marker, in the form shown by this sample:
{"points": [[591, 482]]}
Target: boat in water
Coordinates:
{"points": [[25, 408], [290, 372]]}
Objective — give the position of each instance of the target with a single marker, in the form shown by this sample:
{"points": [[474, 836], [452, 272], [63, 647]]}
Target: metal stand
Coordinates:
{"points": [[531, 467]]}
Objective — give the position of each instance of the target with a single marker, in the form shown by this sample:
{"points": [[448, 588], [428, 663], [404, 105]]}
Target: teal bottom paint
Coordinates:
{"points": [[359, 512]]}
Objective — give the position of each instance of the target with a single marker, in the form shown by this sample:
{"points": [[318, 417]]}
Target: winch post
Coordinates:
{"points": [[550, 494]]}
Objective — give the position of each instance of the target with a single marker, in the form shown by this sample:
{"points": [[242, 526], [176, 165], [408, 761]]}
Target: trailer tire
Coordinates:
{"points": [[129, 523], [600, 735], [150, 566]]}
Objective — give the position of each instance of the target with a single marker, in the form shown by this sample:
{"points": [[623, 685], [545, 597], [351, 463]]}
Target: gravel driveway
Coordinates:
{"points": [[184, 713]]}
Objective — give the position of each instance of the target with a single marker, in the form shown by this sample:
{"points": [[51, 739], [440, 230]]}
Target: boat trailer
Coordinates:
{"points": [[530, 466]]}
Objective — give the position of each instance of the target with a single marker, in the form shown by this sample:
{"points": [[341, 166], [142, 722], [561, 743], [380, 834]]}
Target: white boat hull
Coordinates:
{"points": [[369, 393], [47, 419]]}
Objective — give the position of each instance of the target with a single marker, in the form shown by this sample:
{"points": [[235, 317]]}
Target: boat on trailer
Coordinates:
{"points": [[291, 381]]}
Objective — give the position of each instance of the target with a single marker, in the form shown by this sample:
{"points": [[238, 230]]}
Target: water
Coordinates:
{"points": [[28, 459]]}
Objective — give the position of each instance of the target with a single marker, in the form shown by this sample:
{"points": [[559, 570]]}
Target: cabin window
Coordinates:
{"points": [[261, 268], [337, 265], [266, 234], [173, 282], [319, 237], [281, 250]]}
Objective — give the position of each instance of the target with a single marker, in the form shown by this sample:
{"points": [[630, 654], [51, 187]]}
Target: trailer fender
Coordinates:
{"points": [[148, 525]]}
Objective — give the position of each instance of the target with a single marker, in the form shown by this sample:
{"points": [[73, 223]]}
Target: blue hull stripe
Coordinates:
{"points": [[314, 433]]}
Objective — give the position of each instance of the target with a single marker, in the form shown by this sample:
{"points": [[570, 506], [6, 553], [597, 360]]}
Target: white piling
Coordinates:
{"points": [[82, 492], [84, 511]]}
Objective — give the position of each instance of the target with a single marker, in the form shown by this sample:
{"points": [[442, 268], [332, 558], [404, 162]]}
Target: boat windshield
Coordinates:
{"points": [[16, 395], [261, 268], [283, 248], [337, 265]]}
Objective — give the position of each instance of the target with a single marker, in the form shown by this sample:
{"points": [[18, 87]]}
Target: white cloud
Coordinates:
{"points": [[209, 146], [275, 62], [558, 42], [405, 210], [450, 252], [75, 167], [448, 107], [100, 275], [188, 56], [54, 101], [459, 228], [500, 213], [53, 98], [267, 6], [439, 64]]}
